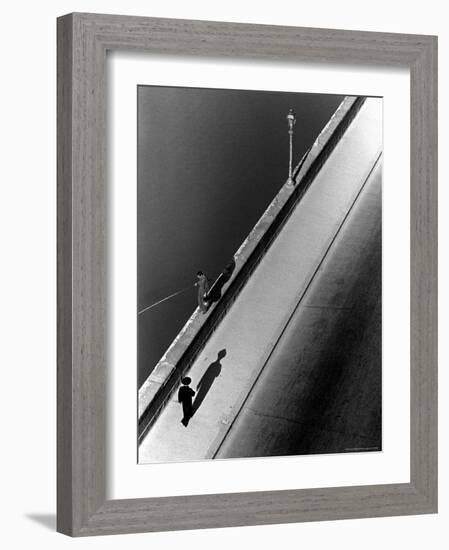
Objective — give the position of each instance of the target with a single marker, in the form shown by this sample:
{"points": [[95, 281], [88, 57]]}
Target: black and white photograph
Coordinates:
{"points": [[259, 273]]}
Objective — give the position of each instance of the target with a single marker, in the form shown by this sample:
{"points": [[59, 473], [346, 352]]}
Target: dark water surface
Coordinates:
{"points": [[209, 163]]}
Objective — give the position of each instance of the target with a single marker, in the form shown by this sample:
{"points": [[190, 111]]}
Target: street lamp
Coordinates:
{"points": [[291, 119]]}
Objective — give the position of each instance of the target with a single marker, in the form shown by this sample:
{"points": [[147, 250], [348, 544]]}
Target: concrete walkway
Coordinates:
{"points": [[320, 390], [252, 326]]}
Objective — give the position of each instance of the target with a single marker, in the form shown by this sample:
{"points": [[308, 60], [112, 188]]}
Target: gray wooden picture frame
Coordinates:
{"points": [[83, 40]]}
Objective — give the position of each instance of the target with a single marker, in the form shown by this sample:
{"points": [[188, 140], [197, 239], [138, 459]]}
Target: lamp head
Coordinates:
{"points": [[291, 118]]}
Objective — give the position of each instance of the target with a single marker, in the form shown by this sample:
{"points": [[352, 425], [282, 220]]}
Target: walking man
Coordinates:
{"points": [[185, 395], [203, 288]]}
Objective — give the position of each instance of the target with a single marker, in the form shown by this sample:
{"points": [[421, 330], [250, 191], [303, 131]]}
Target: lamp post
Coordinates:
{"points": [[291, 119]]}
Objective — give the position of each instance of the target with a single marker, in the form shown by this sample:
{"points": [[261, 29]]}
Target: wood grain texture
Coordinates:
{"points": [[64, 277], [83, 40]]}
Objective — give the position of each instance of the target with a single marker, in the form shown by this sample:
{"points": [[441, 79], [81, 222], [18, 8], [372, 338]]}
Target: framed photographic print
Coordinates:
{"points": [[246, 274]]}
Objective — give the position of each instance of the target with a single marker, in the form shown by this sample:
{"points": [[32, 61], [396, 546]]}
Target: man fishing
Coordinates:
{"points": [[203, 299], [203, 288]]}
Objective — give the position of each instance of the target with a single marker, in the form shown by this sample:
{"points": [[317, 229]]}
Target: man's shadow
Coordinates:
{"points": [[214, 293], [204, 385]]}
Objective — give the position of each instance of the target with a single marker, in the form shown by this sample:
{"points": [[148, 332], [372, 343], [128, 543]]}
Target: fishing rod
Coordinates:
{"points": [[166, 298]]}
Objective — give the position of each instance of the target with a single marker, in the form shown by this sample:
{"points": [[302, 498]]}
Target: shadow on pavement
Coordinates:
{"points": [[208, 378]]}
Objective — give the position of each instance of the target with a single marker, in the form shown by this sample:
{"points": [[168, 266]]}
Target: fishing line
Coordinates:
{"points": [[166, 298]]}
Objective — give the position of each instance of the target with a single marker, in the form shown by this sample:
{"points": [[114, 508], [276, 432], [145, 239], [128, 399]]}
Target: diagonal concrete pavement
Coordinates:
{"points": [[320, 390]]}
